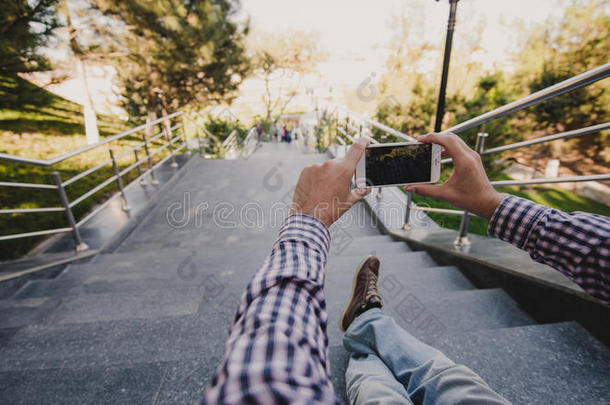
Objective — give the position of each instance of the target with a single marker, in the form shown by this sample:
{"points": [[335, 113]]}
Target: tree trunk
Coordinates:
{"points": [[167, 123], [91, 132]]}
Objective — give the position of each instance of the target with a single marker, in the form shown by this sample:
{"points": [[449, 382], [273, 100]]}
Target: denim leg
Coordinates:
{"points": [[428, 376], [369, 381]]}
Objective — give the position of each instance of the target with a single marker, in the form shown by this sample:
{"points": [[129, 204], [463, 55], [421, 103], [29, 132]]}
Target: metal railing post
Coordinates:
{"points": [[379, 193], [153, 180], [480, 145], [168, 135], [119, 182], [139, 166], [79, 245], [407, 223], [462, 238]]}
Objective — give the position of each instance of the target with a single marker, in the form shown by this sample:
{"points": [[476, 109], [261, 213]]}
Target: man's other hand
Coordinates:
{"points": [[468, 187], [323, 191]]}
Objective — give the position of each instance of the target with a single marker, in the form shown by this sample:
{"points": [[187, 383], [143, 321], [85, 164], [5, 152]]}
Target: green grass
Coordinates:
{"points": [[38, 124], [553, 197]]}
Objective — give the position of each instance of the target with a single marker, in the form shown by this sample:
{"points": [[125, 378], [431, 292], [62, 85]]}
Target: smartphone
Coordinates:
{"points": [[396, 164]]}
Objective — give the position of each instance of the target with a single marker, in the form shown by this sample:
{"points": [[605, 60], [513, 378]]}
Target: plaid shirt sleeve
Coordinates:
{"points": [[576, 244], [277, 351]]}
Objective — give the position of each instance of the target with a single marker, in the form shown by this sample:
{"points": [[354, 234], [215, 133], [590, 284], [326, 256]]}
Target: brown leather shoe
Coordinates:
{"points": [[364, 292]]}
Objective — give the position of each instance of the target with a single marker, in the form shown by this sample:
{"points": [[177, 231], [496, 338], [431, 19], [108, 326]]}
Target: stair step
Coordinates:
{"points": [[259, 248], [179, 382], [122, 342], [347, 265], [126, 273], [205, 232], [125, 304], [340, 247], [431, 315], [559, 363], [18, 313]]}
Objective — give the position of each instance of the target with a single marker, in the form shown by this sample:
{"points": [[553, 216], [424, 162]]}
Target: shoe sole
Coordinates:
{"points": [[351, 297]]}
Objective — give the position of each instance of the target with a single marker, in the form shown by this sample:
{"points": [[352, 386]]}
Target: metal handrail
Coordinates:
{"points": [[60, 185], [550, 180], [378, 125], [50, 162], [31, 210], [549, 138], [113, 138], [565, 86], [348, 136], [105, 203], [28, 185], [37, 233], [92, 191], [25, 160], [440, 210], [85, 173], [179, 139]]}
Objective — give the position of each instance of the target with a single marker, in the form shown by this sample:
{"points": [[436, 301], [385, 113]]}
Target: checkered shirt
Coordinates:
{"points": [[277, 351], [576, 244]]}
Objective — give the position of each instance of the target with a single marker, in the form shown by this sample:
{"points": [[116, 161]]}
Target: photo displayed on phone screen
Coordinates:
{"points": [[398, 164]]}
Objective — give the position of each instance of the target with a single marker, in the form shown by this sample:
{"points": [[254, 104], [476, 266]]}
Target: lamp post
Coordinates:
{"points": [[440, 108]]}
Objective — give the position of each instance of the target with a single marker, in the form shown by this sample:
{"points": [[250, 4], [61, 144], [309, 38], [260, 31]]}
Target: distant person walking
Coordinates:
{"points": [[259, 132], [285, 135]]}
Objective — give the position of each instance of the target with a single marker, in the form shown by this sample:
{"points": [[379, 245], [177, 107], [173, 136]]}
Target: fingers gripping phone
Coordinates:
{"points": [[396, 164]]}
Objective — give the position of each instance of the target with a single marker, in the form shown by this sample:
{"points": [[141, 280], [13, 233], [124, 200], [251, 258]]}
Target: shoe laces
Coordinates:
{"points": [[371, 288]]}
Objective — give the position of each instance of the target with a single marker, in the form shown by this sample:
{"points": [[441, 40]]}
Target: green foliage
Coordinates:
{"points": [[413, 118], [31, 113], [24, 27], [573, 110], [173, 53], [222, 128], [491, 92], [562, 48], [40, 124]]}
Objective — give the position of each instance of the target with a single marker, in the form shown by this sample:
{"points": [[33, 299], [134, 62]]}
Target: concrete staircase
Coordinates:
{"points": [[147, 323]]}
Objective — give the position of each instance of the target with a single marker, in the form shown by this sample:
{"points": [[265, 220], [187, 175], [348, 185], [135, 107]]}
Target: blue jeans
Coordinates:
{"points": [[388, 365]]}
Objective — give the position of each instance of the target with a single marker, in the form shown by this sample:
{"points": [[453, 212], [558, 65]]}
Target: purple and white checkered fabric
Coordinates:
{"points": [[277, 351], [576, 244]]}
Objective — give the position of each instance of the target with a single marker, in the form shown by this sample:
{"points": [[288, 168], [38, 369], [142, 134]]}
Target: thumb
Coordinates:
{"points": [[427, 190], [356, 195]]}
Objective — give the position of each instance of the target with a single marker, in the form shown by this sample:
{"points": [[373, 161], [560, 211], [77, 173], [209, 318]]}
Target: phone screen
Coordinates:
{"points": [[398, 164]]}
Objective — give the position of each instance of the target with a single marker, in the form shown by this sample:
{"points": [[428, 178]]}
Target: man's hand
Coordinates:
{"points": [[323, 191], [468, 187]]}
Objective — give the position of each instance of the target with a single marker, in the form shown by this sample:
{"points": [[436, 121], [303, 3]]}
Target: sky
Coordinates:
{"points": [[356, 33]]}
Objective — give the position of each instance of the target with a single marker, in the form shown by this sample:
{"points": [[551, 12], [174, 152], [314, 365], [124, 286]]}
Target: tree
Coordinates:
{"points": [[283, 60], [413, 117], [492, 91], [558, 50], [25, 26], [173, 53], [407, 92], [91, 132]]}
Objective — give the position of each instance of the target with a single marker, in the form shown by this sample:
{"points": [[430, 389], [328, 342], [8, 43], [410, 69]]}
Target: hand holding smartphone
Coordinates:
{"points": [[396, 164]]}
